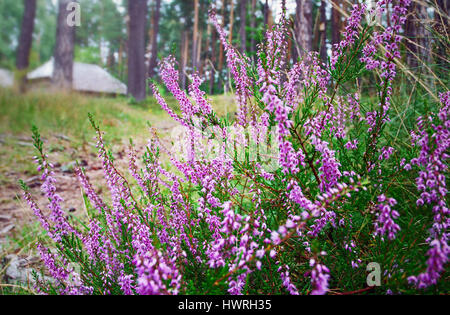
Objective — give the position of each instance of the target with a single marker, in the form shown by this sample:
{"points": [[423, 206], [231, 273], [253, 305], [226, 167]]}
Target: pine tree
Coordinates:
{"points": [[26, 35], [212, 77], [304, 25], [323, 32], [195, 35], [243, 31], [154, 43], [442, 31], [335, 21], [418, 39], [253, 27], [137, 10], [266, 13], [64, 48], [25, 41]]}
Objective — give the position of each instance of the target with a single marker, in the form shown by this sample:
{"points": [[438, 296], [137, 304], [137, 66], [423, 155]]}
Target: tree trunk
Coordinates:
{"points": [[266, 14], [253, 27], [441, 27], [316, 32], [120, 59], [335, 22], [184, 58], [26, 35], [230, 37], [201, 56], [208, 45], [243, 31], [154, 49], [303, 26], [424, 36], [418, 39], [410, 34], [323, 32], [111, 60], [221, 51], [25, 42], [64, 49], [199, 52], [230, 34], [195, 37], [213, 60], [137, 10]]}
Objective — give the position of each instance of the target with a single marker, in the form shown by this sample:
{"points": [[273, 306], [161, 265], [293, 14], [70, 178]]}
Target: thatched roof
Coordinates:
{"points": [[86, 78], [6, 78]]}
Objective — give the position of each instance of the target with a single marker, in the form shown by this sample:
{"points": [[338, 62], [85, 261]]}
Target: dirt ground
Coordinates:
{"points": [[15, 213]]}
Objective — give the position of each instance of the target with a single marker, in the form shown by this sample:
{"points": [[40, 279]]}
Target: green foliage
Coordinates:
{"points": [[11, 12], [10, 19]]}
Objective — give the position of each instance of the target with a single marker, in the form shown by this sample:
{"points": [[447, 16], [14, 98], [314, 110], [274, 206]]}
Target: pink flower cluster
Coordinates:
{"points": [[433, 138], [319, 278], [384, 224]]}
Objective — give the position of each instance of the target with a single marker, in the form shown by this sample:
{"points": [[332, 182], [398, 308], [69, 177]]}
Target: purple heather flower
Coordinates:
{"points": [[431, 183], [438, 258], [384, 224], [319, 278]]}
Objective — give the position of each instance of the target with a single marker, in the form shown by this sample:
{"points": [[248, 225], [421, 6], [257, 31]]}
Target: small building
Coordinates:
{"points": [[87, 78], [6, 78]]}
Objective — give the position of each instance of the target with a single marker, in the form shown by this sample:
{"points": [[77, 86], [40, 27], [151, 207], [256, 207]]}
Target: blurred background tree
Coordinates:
{"points": [[181, 27]]}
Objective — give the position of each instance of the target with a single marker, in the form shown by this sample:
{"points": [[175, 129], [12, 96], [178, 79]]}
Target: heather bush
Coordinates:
{"points": [[224, 218]]}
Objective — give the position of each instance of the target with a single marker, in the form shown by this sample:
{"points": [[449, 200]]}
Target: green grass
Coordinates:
{"points": [[66, 115]]}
